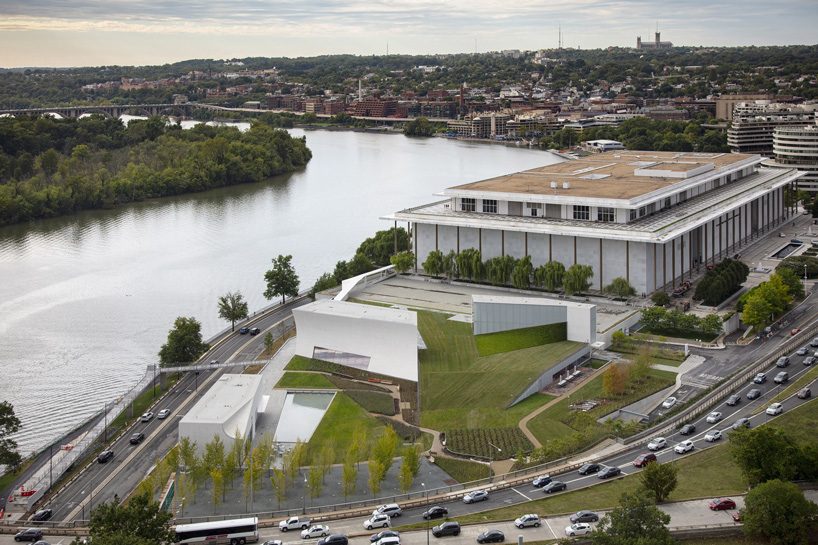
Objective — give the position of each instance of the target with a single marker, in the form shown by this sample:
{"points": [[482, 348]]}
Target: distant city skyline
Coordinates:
{"points": [[131, 32]]}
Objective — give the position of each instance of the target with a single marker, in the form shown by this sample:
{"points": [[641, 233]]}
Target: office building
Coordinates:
{"points": [[797, 147], [751, 130]]}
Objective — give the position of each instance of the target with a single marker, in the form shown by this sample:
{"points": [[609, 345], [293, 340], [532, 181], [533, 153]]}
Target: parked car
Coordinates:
{"points": [[541, 481], [392, 540], [374, 538], [554, 486], [254, 331], [804, 393], [669, 402], [741, 423], [721, 504], [688, 429], [244, 330], [476, 496], [584, 516], [684, 446], [104, 456], [146, 417], [316, 530], [491, 536], [377, 521], [391, 509], [42, 515], [783, 361], [644, 459], [435, 512], [754, 393], [334, 539], [809, 360], [29, 534], [608, 472], [271, 542], [814, 342], [164, 413], [781, 377], [294, 523], [657, 443], [733, 400], [526, 521], [578, 529], [803, 351], [775, 409], [714, 417], [137, 438], [587, 469], [760, 378], [712, 436], [450, 528]]}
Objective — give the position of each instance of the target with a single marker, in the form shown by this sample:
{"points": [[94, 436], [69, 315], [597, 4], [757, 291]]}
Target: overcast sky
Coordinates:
{"points": [[95, 32]]}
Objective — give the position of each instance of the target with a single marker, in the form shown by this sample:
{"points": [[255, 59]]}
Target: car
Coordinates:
{"points": [[316, 530], [781, 377], [541, 481], [137, 438], [334, 539], [754, 393], [804, 393], [803, 351], [760, 378], [435, 512], [587, 469], [391, 509], [657, 443], [794, 331], [104, 456], [273, 542], [783, 361], [736, 516], [644, 459], [450, 528], [584, 516], [244, 330], [684, 446], [214, 362], [721, 504], [41, 542], [741, 423], [554, 486], [733, 400], [42, 515], [714, 435], [390, 540], [29, 534], [164, 413], [528, 520], [147, 417], [254, 331], [714, 417], [608, 472], [385, 533], [377, 521], [491, 536], [578, 529], [814, 342], [476, 496], [809, 360], [688, 429], [669, 402], [774, 409]]}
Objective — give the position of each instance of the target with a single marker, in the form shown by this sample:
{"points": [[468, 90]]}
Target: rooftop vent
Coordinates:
{"points": [[566, 185], [553, 185]]}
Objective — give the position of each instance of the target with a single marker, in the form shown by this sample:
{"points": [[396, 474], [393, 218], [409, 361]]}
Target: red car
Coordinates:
{"points": [[644, 459], [722, 504]]}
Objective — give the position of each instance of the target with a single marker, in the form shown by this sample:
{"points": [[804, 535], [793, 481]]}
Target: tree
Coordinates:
{"points": [[315, 481], [660, 298], [621, 288], [765, 302], [521, 275], [217, 478], [778, 511], [214, 453], [376, 474], [712, 324], [420, 126], [359, 264], [659, 479], [403, 261], [349, 474], [634, 521], [577, 279], [380, 247], [405, 477], [794, 284], [385, 448], [411, 457], [281, 279], [434, 263], [764, 453], [139, 521], [232, 307], [326, 458], [9, 424], [279, 481], [184, 344], [614, 380], [324, 282]]}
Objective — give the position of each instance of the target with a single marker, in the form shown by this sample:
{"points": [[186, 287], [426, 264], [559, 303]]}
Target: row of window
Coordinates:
{"points": [[602, 213], [468, 205], [535, 209]]}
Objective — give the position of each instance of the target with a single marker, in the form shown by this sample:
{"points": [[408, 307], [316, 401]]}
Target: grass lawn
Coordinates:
{"points": [[463, 471], [374, 402], [597, 363], [304, 380], [680, 334], [482, 417], [342, 418], [517, 339]]}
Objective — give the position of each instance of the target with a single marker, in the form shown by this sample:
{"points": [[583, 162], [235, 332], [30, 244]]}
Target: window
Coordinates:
{"points": [[582, 212], [642, 211], [490, 206], [466, 204], [667, 202], [633, 215], [535, 209], [605, 214]]}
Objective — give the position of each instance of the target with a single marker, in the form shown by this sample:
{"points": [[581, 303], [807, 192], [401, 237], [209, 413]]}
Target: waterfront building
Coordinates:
{"points": [[751, 130], [797, 147], [600, 146], [653, 218], [480, 126], [373, 107]]}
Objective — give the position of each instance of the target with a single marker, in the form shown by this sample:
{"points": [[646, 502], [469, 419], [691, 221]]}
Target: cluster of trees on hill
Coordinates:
{"points": [[765, 303], [721, 282], [51, 167]]}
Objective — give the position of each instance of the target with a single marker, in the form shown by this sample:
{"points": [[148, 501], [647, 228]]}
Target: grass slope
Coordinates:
{"points": [[304, 380], [517, 339], [463, 471], [342, 418]]}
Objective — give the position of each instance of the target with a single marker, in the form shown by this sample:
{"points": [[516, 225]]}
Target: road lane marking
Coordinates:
{"points": [[549, 528], [520, 493]]}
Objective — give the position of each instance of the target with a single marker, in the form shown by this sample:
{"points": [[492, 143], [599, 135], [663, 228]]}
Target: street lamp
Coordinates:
{"points": [[491, 459], [304, 495], [805, 279], [426, 491]]}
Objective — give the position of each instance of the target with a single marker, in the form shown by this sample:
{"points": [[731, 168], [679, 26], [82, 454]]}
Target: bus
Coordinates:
{"points": [[221, 532]]}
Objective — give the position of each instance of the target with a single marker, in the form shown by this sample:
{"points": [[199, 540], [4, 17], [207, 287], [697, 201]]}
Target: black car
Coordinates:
{"points": [[435, 512], [450, 528], [733, 400], [334, 539], [386, 533], [29, 534], [254, 331], [783, 361], [137, 438], [587, 469], [491, 536], [104, 456], [42, 515], [541, 481], [584, 516], [244, 330], [687, 429], [741, 423], [754, 393], [554, 486], [608, 472]]}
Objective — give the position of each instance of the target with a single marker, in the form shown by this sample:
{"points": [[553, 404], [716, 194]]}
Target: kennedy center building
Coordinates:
{"points": [[653, 218]]}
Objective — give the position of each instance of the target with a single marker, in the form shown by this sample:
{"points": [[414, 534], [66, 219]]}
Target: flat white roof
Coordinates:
{"points": [[346, 309], [229, 395], [538, 301]]}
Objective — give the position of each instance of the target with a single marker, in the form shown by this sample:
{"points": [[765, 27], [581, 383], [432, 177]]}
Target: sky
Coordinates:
{"points": [[138, 32]]}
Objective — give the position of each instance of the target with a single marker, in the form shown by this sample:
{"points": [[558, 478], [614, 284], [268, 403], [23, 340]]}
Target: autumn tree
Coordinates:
{"points": [[614, 380]]}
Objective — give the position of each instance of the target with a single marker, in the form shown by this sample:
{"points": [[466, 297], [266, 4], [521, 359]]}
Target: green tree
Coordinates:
{"points": [[139, 521], [434, 263], [660, 480], [660, 298], [281, 279], [9, 424], [712, 324], [232, 307], [184, 344], [359, 264], [379, 248], [794, 284], [214, 455], [764, 453], [405, 477], [636, 520], [279, 481], [385, 448], [420, 126], [521, 275], [376, 475], [777, 511], [577, 279], [326, 458], [765, 302], [411, 458], [349, 474], [403, 261], [324, 282], [217, 492], [621, 288], [315, 481], [450, 264]]}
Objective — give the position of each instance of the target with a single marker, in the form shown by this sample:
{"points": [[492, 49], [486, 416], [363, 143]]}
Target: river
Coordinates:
{"points": [[87, 300]]}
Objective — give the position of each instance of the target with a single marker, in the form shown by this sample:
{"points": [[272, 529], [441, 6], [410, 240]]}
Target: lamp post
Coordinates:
{"points": [[426, 491], [491, 459], [805, 279], [304, 495]]}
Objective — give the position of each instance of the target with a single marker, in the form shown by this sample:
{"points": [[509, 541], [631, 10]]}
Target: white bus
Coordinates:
{"points": [[220, 532]]}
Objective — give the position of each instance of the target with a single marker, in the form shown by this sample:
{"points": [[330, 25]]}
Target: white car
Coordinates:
{"points": [[528, 520], [774, 409], [657, 443], [684, 446], [146, 417], [377, 521], [316, 530], [578, 529], [714, 435], [164, 413], [474, 497], [714, 417], [669, 402]]}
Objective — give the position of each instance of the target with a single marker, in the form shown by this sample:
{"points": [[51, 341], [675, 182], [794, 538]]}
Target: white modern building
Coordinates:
{"points": [[751, 129], [227, 409], [797, 147], [376, 339], [493, 313], [653, 218]]}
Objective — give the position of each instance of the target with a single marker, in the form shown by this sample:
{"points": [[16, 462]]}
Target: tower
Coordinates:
{"points": [[639, 42], [360, 91]]}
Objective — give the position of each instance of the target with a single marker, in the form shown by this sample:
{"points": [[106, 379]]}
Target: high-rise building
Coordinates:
{"points": [[751, 130], [797, 147]]}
